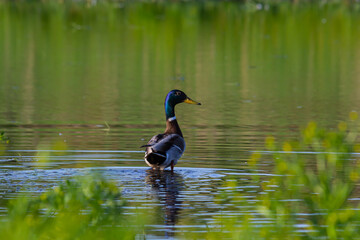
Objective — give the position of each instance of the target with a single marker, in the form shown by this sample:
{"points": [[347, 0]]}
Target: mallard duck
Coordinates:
{"points": [[165, 149]]}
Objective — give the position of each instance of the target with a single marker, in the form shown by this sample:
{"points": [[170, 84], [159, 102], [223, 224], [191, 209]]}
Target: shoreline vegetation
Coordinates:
{"points": [[215, 5]]}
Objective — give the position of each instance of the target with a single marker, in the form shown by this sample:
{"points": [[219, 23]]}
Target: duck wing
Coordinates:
{"points": [[163, 142], [169, 141], [154, 140]]}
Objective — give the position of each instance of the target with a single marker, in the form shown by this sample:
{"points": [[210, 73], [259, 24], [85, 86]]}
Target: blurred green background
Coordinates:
{"points": [[266, 66]]}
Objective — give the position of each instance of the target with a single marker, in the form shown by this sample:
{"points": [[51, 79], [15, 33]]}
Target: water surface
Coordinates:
{"points": [[82, 88]]}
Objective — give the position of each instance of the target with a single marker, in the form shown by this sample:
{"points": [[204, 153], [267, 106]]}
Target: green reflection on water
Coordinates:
{"points": [[73, 64], [257, 72]]}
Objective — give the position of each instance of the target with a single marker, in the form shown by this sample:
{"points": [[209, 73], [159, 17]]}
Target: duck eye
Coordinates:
{"points": [[178, 93]]}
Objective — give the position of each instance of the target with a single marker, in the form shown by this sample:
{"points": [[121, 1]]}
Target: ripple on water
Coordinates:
{"points": [[187, 193]]}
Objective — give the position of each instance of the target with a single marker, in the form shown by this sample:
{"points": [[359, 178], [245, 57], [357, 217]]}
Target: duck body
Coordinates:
{"points": [[165, 149]]}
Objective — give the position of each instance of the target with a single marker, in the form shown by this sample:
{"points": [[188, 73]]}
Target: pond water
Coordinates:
{"points": [[83, 88]]}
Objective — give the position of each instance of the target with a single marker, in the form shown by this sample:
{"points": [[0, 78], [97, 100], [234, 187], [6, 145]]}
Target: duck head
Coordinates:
{"points": [[174, 97]]}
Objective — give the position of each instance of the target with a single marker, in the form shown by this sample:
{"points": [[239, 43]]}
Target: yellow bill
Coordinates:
{"points": [[190, 101]]}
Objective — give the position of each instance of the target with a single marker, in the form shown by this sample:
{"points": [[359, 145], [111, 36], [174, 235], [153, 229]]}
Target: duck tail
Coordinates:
{"points": [[146, 145]]}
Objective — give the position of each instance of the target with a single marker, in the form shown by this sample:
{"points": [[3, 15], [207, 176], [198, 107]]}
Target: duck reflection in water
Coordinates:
{"points": [[167, 186]]}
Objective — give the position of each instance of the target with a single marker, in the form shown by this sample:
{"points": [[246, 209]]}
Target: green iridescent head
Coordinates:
{"points": [[174, 97]]}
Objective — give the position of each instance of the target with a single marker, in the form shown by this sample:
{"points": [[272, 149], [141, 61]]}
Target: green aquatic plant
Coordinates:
{"points": [[309, 194], [4, 141], [80, 208], [321, 185], [45, 151], [4, 137]]}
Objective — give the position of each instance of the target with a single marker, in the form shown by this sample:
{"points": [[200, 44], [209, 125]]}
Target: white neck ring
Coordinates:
{"points": [[171, 119]]}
